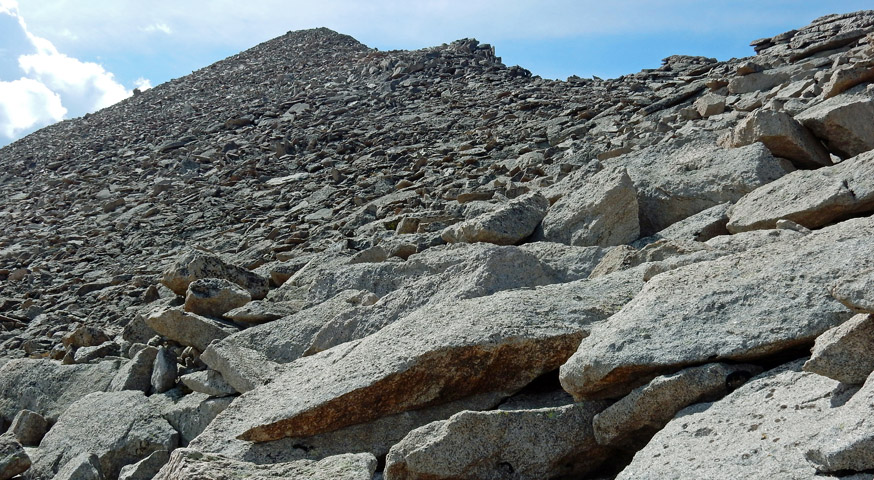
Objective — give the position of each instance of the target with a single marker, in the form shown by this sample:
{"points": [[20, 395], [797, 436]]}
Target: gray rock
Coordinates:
{"points": [[214, 297], [739, 307], [520, 444], [507, 225], [700, 227], [754, 82], [118, 427], [812, 198], [754, 432], [625, 257], [85, 336], [437, 354], [848, 76], [636, 417], [854, 291], [677, 180], [783, 136], [165, 371], [13, 458], [90, 354], [843, 123], [84, 466], [603, 212], [188, 414], [188, 328], [741, 242], [28, 428], [209, 382], [243, 368], [187, 464], [47, 387], [136, 374], [195, 265], [258, 311], [709, 105], [843, 353], [146, 468]]}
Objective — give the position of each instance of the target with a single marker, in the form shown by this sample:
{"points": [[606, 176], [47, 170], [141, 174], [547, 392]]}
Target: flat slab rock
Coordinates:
{"points": [[812, 198], [739, 308], [188, 328], [843, 123], [436, 355], [844, 352], [195, 265], [784, 136], [753, 433], [507, 225], [187, 464]]}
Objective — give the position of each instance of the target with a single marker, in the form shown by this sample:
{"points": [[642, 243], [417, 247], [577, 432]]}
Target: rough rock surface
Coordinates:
{"points": [[13, 458], [843, 123], [199, 265], [188, 328], [214, 297], [507, 225], [854, 291], [28, 428], [188, 464], [783, 136], [843, 353]]}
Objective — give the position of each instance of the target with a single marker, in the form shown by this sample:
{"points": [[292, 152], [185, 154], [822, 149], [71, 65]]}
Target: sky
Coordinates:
{"points": [[60, 59]]}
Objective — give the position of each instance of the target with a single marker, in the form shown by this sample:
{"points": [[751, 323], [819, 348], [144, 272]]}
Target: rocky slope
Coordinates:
{"points": [[318, 260]]}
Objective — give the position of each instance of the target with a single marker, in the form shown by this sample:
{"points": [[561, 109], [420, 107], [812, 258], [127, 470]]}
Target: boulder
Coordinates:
{"points": [[845, 123], [848, 76], [679, 179], [755, 432], [165, 371], [258, 312], [188, 328], [854, 291], [136, 374], [709, 105], [195, 265], [187, 464], [844, 353], [437, 354], [118, 427], [636, 417], [700, 227], [48, 387], [13, 458], [757, 81], [90, 354], [556, 442], [739, 307], [146, 468], [188, 414], [28, 428], [213, 297], [783, 136], [603, 212], [85, 466], [209, 382], [508, 225], [812, 198]]}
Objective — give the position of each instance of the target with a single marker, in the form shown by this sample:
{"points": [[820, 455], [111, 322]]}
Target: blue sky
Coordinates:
{"points": [[63, 58]]}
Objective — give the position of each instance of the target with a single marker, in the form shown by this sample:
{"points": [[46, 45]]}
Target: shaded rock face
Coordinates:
{"points": [[313, 255]]}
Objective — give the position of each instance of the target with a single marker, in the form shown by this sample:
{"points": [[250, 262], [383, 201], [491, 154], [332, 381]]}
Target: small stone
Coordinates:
{"points": [[214, 297], [844, 353], [146, 468], [13, 458], [209, 382], [165, 371], [29, 428]]}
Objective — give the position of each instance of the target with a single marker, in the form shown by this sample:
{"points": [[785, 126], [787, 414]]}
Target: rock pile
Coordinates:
{"points": [[318, 260]]}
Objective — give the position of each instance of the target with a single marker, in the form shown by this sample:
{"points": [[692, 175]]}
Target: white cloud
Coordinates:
{"points": [[158, 27], [26, 103], [143, 84]]}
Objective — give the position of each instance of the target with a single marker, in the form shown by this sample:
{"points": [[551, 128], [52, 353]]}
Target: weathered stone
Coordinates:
{"points": [[854, 291], [28, 428], [523, 444], [257, 312], [437, 354], [754, 432], [636, 417], [783, 136], [164, 372], [845, 123], [740, 307], [188, 414], [136, 374], [146, 468], [119, 427], [209, 382], [84, 466], [625, 257], [603, 212], [753, 82], [13, 458], [90, 354], [846, 77], [84, 336], [677, 180], [700, 227], [812, 198], [709, 105], [196, 265], [214, 297], [47, 387], [508, 225], [186, 464], [188, 328], [844, 352]]}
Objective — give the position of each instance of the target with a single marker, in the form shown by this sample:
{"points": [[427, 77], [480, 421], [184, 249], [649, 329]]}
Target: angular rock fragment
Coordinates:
{"points": [[845, 123], [603, 212], [146, 468], [844, 353], [257, 312], [700, 227], [195, 265], [636, 417], [740, 307], [508, 225], [136, 374], [164, 372], [214, 297], [209, 382], [128, 431], [85, 466], [848, 76], [28, 428], [188, 414], [13, 458], [188, 328], [812, 198], [523, 444], [187, 464], [783, 136], [709, 105], [855, 292]]}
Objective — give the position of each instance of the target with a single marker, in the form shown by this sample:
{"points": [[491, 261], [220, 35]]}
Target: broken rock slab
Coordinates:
{"points": [[85, 466], [28, 428], [855, 291], [507, 225], [784, 136], [188, 414], [146, 468], [739, 307], [845, 123], [136, 374], [187, 464], [209, 382], [844, 353], [636, 417], [13, 459], [435, 355], [188, 328], [126, 431], [812, 198], [195, 265], [554, 442], [213, 297], [700, 227], [603, 212]]}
